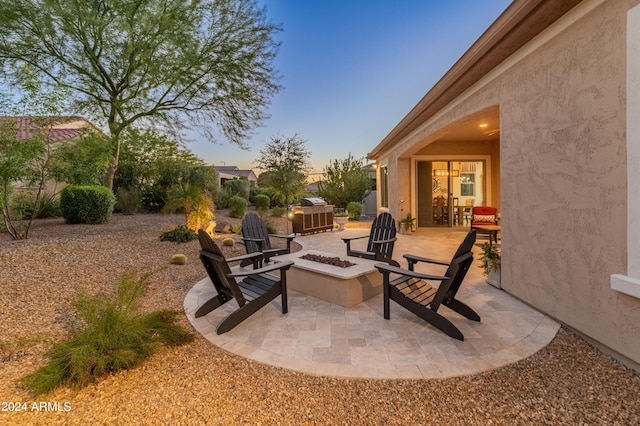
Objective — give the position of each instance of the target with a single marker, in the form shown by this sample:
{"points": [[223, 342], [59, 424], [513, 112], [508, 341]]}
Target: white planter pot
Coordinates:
{"points": [[341, 221]]}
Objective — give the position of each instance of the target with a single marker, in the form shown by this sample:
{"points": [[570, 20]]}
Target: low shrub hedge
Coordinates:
{"points": [[238, 206], [355, 210], [87, 204]]}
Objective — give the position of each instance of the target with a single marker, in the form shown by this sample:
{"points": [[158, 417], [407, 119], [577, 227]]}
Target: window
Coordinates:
{"points": [[467, 184], [384, 186]]}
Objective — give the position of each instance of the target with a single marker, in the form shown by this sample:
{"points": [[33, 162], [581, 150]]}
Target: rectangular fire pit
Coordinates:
{"points": [[343, 286]]}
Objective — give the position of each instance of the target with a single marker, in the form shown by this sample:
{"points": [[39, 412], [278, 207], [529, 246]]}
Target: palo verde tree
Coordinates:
{"points": [[284, 165], [344, 181], [206, 64]]}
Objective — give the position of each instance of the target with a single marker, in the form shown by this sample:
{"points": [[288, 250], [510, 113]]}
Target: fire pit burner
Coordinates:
{"points": [[335, 261]]}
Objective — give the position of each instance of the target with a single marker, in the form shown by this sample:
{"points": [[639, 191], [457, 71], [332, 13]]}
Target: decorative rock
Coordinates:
{"points": [[178, 259], [222, 227]]}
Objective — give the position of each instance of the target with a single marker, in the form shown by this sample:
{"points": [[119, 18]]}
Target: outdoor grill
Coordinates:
{"points": [[313, 215]]}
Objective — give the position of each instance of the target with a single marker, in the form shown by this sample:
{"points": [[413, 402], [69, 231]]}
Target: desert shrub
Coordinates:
{"points": [[236, 229], [228, 242], [278, 211], [239, 187], [180, 234], [270, 227], [223, 198], [128, 201], [23, 206], [355, 210], [262, 202], [49, 207], [238, 206], [87, 204], [115, 336]]}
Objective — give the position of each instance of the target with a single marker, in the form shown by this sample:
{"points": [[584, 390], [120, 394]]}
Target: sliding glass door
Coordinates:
{"points": [[446, 191]]}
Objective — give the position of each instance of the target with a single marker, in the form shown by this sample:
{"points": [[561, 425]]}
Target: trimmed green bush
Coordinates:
{"points": [[180, 234], [87, 204], [115, 337], [239, 187], [355, 210], [262, 202], [237, 206], [222, 200]]}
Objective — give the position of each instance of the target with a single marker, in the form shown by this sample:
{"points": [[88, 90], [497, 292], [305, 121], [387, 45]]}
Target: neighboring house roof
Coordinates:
{"points": [[518, 24], [57, 128], [235, 172]]}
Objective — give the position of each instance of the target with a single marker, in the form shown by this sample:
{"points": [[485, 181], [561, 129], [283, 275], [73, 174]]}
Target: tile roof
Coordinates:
{"points": [[57, 128]]}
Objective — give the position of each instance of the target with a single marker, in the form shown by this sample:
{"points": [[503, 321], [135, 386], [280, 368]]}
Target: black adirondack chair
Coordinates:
{"points": [[411, 290], [381, 240], [256, 238], [255, 290]]}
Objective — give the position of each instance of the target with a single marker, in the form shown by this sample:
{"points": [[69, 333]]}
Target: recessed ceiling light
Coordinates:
{"points": [[483, 125]]}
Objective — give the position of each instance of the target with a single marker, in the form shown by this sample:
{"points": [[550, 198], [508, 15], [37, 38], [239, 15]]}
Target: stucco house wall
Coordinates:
{"points": [[561, 172]]}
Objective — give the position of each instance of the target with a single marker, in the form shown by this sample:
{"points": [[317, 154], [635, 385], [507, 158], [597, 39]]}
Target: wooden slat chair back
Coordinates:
{"points": [[382, 238], [383, 229], [411, 290], [256, 238], [255, 289]]}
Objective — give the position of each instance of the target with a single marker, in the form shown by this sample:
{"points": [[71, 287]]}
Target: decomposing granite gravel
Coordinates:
{"points": [[567, 382]]}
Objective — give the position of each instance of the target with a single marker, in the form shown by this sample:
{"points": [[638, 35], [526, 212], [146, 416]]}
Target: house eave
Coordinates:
{"points": [[516, 26]]}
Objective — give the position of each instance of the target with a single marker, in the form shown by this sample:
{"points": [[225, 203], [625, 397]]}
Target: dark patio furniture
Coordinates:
{"points": [[411, 290], [256, 238], [256, 289], [381, 240]]}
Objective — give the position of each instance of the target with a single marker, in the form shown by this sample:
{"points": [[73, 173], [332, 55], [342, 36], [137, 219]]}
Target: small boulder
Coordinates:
{"points": [[222, 227]]}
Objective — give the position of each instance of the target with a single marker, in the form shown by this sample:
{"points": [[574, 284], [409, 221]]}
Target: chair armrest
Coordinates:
{"points": [[346, 240], [380, 242], [255, 240], [279, 265], [288, 237], [386, 268], [250, 256], [415, 259]]}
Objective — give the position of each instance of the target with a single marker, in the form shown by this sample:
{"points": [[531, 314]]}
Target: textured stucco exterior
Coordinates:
{"points": [[559, 174]]}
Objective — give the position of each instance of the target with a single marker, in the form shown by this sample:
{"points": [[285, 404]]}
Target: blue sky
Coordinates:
{"points": [[352, 69]]}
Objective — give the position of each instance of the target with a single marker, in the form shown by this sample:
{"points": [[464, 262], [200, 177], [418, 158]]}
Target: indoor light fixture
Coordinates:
{"points": [[445, 173]]}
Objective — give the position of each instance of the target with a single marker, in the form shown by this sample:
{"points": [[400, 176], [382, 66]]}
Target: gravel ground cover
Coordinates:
{"points": [[567, 382]]}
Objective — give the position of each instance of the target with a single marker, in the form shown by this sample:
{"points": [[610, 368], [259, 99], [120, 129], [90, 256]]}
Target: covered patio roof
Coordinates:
{"points": [[518, 24]]}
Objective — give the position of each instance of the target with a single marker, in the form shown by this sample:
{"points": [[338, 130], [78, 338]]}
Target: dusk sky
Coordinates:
{"points": [[352, 69]]}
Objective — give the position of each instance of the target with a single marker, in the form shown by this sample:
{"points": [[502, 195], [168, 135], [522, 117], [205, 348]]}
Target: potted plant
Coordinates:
{"points": [[341, 218], [405, 225], [490, 262]]}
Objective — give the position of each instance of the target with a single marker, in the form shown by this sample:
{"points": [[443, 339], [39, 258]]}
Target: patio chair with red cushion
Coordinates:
{"points": [[483, 216]]}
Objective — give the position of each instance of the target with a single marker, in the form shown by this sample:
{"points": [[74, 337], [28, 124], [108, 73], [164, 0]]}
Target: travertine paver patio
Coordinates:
{"points": [[318, 337]]}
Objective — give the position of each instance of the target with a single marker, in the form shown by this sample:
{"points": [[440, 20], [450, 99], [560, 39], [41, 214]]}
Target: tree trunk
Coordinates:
{"points": [[113, 164]]}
